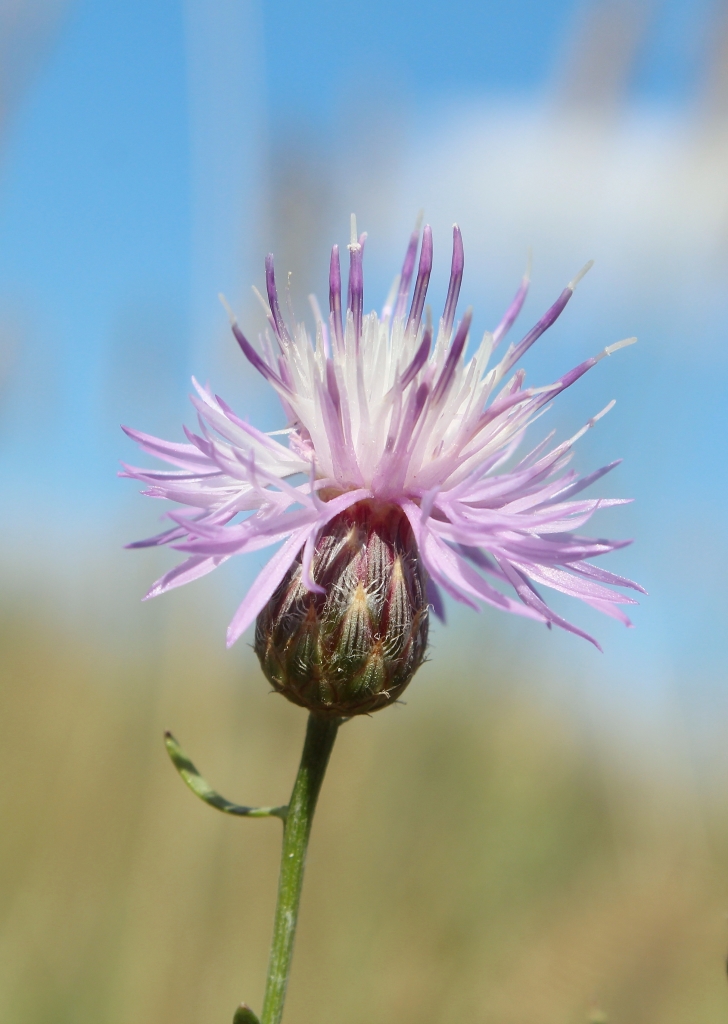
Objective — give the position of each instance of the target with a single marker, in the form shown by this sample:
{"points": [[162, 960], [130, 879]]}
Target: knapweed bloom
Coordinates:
{"points": [[396, 478]]}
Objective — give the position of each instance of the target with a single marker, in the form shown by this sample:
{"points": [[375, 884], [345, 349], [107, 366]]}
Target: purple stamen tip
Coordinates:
{"points": [[423, 279], [456, 277], [334, 272], [458, 254], [335, 295], [270, 284], [409, 260], [408, 267], [252, 356], [454, 355], [550, 317], [419, 360], [356, 288]]}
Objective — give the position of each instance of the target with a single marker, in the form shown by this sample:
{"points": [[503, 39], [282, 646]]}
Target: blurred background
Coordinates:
{"points": [[541, 832]]}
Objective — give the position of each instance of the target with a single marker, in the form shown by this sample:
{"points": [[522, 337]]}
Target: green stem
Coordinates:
{"points": [[320, 736]]}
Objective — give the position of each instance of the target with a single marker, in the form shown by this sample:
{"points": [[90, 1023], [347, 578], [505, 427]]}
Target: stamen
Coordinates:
{"points": [[408, 269], [269, 317], [252, 356], [573, 375], [335, 297], [289, 300], [419, 360], [607, 408], [545, 388], [588, 425], [584, 270], [423, 279], [610, 349], [249, 352], [228, 309], [550, 317], [515, 307], [456, 277], [263, 303], [355, 301], [270, 284], [456, 351]]}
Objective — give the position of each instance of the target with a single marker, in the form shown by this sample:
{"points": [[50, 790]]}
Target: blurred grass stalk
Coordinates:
{"points": [[472, 858]]}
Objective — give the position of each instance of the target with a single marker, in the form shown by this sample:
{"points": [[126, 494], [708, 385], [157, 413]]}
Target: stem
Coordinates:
{"points": [[320, 736]]}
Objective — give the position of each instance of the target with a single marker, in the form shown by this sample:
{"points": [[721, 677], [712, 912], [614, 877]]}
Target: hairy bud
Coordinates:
{"points": [[354, 648]]}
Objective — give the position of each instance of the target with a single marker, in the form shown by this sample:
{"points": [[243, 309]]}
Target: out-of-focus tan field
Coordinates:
{"points": [[474, 857]]}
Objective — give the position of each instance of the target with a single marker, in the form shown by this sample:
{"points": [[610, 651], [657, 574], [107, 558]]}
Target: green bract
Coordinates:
{"points": [[353, 648]]}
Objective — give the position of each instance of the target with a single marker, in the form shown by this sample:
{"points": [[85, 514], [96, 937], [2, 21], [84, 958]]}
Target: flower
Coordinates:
{"points": [[379, 414]]}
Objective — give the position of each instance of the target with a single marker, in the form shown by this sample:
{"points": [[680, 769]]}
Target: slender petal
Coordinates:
{"points": [[265, 583]]}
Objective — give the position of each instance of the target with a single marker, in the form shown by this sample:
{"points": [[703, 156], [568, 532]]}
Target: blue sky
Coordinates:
{"points": [[133, 179], [97, 181], [330, 49]]}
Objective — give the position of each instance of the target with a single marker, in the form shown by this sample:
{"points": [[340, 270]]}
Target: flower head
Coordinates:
{"points": [[385, 413]]}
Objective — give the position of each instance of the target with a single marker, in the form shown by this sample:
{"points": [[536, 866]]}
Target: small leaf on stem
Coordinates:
{"points": [[205, 792]]}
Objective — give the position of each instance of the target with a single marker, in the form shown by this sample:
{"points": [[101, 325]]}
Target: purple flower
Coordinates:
{"points": [[381, 410]]}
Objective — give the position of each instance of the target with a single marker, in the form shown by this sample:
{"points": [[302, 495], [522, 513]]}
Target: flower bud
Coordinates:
{"points": [[354, 648]]}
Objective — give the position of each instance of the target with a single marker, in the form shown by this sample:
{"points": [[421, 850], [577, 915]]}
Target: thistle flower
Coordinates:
{"points": [[386, 423]]}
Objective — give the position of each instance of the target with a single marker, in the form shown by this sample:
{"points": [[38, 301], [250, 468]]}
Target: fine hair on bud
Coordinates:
{"points": [[354, 648]]}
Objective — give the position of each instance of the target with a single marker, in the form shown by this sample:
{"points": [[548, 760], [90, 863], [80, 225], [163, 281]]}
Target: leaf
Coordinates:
{"points": [[205, 792]]}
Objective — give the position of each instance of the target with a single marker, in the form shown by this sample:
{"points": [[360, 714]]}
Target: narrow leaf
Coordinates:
{"points": [[205, 792]]}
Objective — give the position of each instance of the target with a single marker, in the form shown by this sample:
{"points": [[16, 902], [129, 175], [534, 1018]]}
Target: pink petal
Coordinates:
{"points": [[265, 584], [187, 571]]}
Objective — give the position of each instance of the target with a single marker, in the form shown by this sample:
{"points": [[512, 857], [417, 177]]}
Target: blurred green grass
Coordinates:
{"points": [[475, 857]]}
